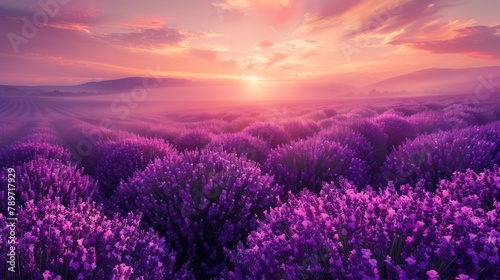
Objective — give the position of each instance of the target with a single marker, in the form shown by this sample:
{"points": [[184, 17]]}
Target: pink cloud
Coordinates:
{"points": [[475, 41], [148, 38], [390, 17], [212, 56], [153, 38], [274, 12], [262, 45], [325, 14], [282, 56]]}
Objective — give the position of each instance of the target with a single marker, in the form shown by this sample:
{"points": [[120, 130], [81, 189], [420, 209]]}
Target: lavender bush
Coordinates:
{"points": [[193, 139], [473, 190], [436, 156], [48, 178], [373, 134], [309, 163], [270, 133], [346, 234], [361, 147], [77, 242], [300, 128], [201, 202], [397, 129], [121, 159], [241, 144], [241, 123], [21, 152]]}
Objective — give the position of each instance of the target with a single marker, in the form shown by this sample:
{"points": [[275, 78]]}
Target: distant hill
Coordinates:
{"points": [[451, 81], [106, 86], [434, 81], [130, 83]]}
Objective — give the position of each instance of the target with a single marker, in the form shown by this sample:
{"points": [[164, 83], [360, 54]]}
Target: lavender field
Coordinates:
{"points": [[379, 188]]}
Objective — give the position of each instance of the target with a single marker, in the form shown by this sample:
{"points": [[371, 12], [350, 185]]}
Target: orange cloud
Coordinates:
{"points": [[475, 41], [274, 12]]}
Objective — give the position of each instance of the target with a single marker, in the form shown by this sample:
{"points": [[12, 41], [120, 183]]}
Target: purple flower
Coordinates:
{"points": [[49, 178], [436, 156], [354, 140], [241, 144], [21, 152], [241, 123], [300, 128], [345, 233], [119, 160], [270, 133], [397, 129], [193, 139], [201, 202], [474, 190], [309, 163], [76, 241]]}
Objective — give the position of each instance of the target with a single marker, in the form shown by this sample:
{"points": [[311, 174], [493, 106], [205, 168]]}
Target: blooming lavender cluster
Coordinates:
{"points": [[120, 160], [21, 152], [309, 163], [42, 132], [436, 156], [48, 178], [77, 242], [348, 234], [300, 128], [193, 139], [354, 140], [201, 202], [259, 193], [271, 133], [472, 189], [242, 144], [397, 128], [374, 134]]}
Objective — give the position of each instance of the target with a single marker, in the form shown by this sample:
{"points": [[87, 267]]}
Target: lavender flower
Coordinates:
{"points": [[201, 202], [270, 133], [300, 128], [436, 156], [77, 242], [473, 190], [121, 159], [309, 163], [193, 139], [49, 178], [21, 152], [397, 129], [349, 234], [373, 134], [241, 144], [241, 123], [361, 147]]}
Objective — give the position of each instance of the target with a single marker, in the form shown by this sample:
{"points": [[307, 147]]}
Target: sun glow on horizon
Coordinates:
{"points": [[254, 79]]}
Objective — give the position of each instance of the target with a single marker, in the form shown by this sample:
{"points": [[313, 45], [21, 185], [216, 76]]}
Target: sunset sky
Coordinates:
{"points": [[356, 42]]}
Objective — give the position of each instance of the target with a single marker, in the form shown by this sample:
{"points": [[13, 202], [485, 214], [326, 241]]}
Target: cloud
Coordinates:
{"points": [[365, 16], [325, 14], [274, 12], [262, 45], [154, 38], [475, 41], [212, 56], [397, 15], [282, 56]]}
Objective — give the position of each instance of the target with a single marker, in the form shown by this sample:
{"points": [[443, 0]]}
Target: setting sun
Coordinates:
{"points": [[254, 79]]}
